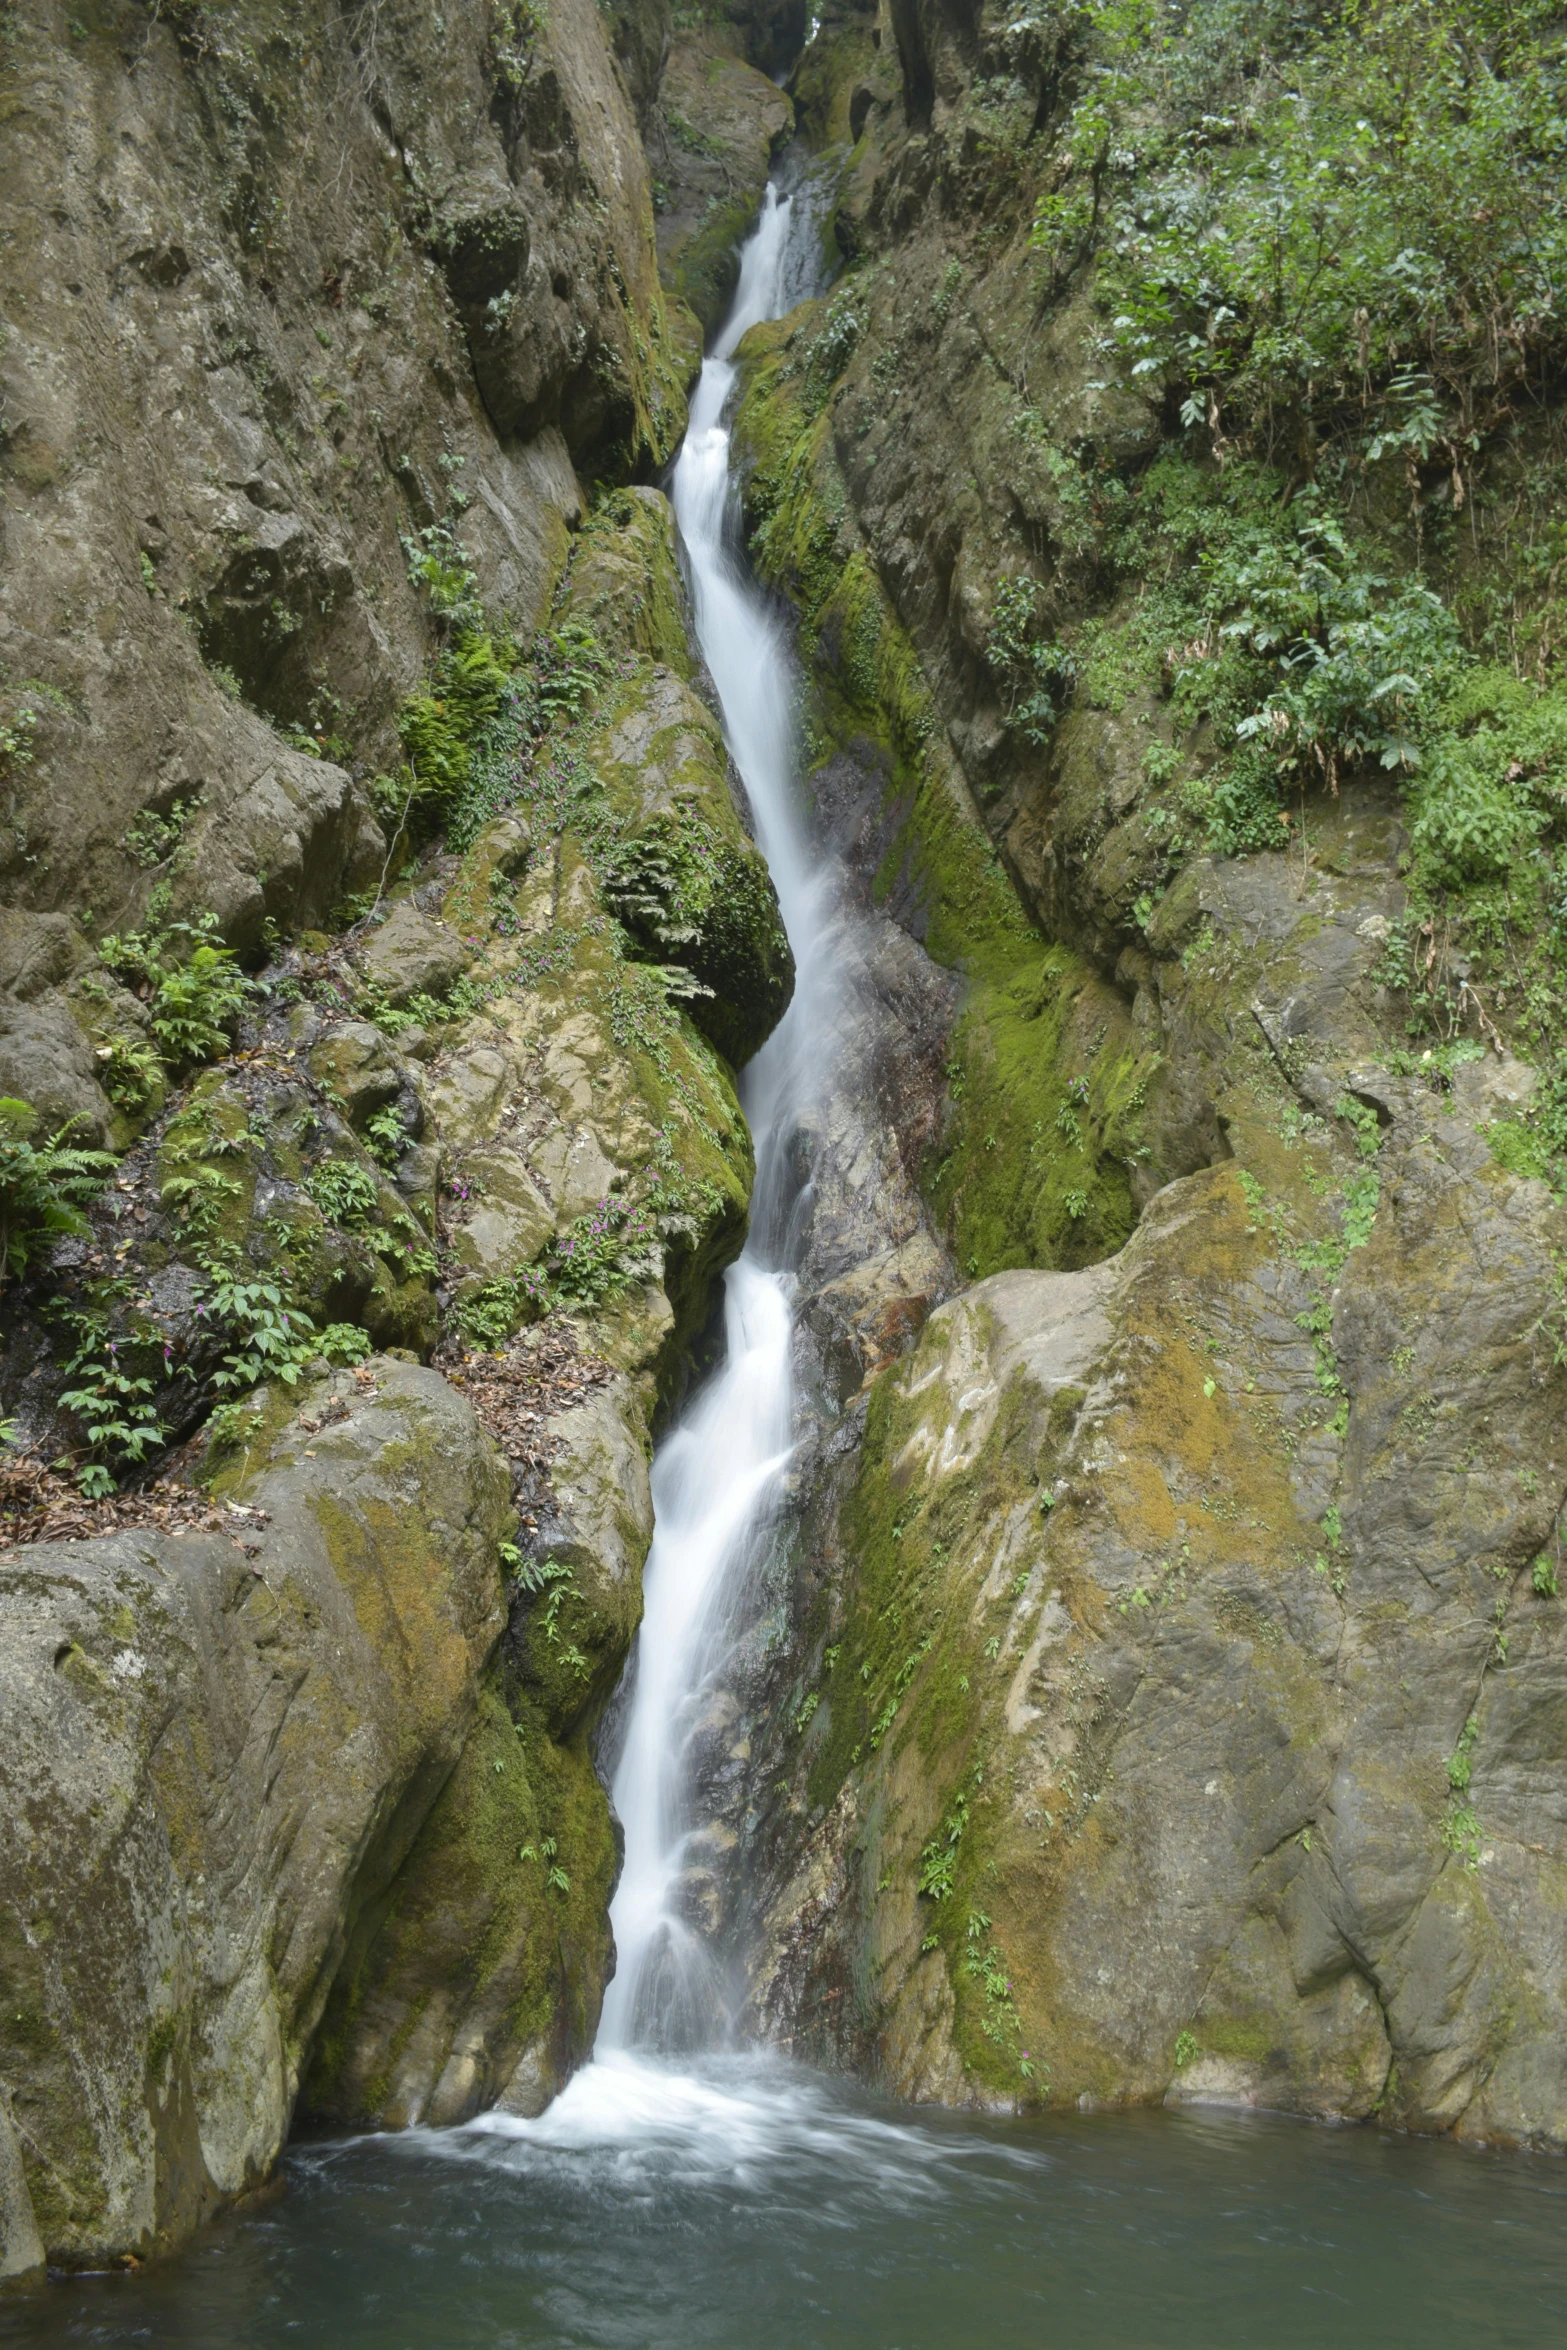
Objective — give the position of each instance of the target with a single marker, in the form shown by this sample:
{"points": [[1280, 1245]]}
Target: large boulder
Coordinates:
{"points": [[1188, 1664], [219, 1747]]}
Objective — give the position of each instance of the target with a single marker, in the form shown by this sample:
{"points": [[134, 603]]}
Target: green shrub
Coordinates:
{"points": [[345, 1343], [1371, 227], [129, 1072], [439, 726], [196, 1004], [438, 563], [345, 1193], [600, 1253], [488, 1316], [271, 1338], [43, 1186], [114, 1406], [1357, 669], [1037, 674], [194, 984]]}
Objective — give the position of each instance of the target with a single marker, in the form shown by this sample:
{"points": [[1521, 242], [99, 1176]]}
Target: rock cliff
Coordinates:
{"points": [[381, 909], [1155, 1692]]}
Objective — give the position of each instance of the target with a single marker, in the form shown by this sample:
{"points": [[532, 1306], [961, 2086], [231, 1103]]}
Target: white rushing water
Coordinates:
{"points": [[656, 2090], [718, 1473], [717, 1476]]}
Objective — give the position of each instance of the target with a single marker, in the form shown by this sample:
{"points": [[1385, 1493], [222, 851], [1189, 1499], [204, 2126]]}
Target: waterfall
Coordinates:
{"points": [[718, 1473]]}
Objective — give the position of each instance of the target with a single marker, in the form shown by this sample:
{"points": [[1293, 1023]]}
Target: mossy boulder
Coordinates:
{"points": [[194, 1843], [412, 953], [680, 869], [625, 583], [1086, 1805]]}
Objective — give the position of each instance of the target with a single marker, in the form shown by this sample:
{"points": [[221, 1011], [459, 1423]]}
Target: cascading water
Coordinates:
{"points": [[718, 1473]]}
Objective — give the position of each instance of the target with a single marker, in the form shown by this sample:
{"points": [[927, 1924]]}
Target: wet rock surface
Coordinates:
{"points": [[1131, 1747], [1192, 1664]]}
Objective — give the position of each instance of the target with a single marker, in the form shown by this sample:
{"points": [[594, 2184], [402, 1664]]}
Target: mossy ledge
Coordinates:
{"points": [[1047, 1080]]}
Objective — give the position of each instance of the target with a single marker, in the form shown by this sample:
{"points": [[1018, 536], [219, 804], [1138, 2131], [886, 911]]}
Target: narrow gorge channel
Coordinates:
{"points": [[717, 1475]]}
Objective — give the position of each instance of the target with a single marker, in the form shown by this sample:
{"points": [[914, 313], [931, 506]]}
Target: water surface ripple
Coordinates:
{"points": [[741, 2204]]}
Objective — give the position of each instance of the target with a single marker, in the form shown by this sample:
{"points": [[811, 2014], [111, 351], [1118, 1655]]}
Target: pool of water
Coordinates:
{"points": [[752, 2206]]}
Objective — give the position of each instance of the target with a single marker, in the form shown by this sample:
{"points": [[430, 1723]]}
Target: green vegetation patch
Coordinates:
{"points": [[1047, 1087]]}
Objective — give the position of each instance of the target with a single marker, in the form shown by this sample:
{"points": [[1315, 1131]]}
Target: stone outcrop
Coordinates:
{"points": [[1167, 1704], [220, 1748], [718, 125], [1191, 1664], [276, 291], [476, 1123]]}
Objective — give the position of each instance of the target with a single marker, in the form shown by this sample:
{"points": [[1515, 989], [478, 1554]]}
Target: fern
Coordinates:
{"points": [[43, 1186]]}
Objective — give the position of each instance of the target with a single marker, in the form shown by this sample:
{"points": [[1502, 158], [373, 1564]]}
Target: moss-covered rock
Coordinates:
{"points": [[1086, 1804], [259, 1721], [677, 867], [1048, 1078], [474, 1979], [720, 122]]}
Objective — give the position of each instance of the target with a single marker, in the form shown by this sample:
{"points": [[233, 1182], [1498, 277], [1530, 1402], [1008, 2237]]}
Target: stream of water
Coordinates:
{"points": [[682, 2194], [717, 1474]]}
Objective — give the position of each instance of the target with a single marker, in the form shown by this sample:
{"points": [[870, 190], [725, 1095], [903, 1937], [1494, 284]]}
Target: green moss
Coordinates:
{"points": [[624, 580], [835, 64], [909, 1708], [481, 1913], [1046, 1077], [702, 270], [1046, 1126], [1522, 1149]]}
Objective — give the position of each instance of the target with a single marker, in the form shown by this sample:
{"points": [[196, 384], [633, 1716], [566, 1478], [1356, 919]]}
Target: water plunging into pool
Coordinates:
{"points": [[717, 1475]]}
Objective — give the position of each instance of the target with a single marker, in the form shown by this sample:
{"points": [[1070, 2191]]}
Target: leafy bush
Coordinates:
{"points": [[196, 1003], [272, 1339], [43, 1186], [1358, 670], [835, 345], [197, 1201], [114, 1407], [488, 1316], [600, 1253], [438, 563], [469, 734], [387, 1136], [1492, 783], [439, 726], [345, 1343], [1036, 672], [1387, 204], [345, 1193], [193, 983], [129, 1072]]}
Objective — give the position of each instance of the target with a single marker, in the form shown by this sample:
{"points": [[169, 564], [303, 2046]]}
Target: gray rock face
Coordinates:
{"points": [[411, 953], [241, 366], [713, 182], [1239, 1716], [218, 1748]]}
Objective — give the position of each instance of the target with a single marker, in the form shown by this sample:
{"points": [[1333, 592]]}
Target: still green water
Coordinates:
{"points": [[755, 2206]]}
